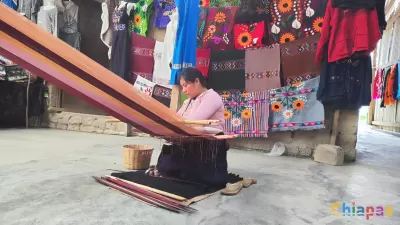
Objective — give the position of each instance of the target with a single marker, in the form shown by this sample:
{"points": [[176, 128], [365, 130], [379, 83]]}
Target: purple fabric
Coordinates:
{"points": [[161, 7]]}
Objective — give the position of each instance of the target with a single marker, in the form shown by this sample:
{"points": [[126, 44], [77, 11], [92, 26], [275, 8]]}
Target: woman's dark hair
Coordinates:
{"points": [[190, 74]]}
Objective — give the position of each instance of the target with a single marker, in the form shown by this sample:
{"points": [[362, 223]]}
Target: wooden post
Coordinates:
{"points": [[335, 127], [175, 97]]}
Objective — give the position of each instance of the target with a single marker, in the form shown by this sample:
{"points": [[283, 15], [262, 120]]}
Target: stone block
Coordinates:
{"points": [[88, 120], [54, 117], [89, 129], [99, 125], [329, 154], [75, 120]]}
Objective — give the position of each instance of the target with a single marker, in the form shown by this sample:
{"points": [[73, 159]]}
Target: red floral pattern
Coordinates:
{"points": [[248, 35]]}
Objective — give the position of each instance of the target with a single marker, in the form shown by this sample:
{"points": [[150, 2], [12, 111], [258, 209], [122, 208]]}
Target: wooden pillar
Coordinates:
{"points": [[175, 97]]}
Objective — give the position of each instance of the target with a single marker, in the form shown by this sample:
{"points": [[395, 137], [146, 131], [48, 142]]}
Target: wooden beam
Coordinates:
{"points": [[385, 124], [175, 97], [335, 127]]}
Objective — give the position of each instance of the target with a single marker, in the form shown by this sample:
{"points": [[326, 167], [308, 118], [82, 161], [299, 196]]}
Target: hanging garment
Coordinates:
{"points": [[255, 11], [10, 3], [246, 113], [142, 57], [140, 17], [203, 61], [30, 8], [219, 25], [201, 26], [378, 85], [298, 60], [346, 84], [185, 45], [364, 4], [223, 3], [292, 20], [144, 85], [248, 35], [162, 94], [162, 76], [385, 76], [262, 69], [398, 82], [121, 44], [157, 55], [162, 9], [389, 87], [296, 107], [108, 7], [47, 19], [227, 70], [359, 34], [67, 19]]}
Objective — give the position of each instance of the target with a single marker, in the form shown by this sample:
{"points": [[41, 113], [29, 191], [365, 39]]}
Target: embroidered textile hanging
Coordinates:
{"points": [[144, 85], [398, 82], [223, 3], [140, 17], [162, 9], [262, 68], [204, 3], [389, 90], [296, 107], [298, 60], [227, 70], [142, 58], [378, 84], [162, 94], [295, 19], [219, 24], [201, 26], [203, 61], [248, 35], [246, 113], [185, 45]]}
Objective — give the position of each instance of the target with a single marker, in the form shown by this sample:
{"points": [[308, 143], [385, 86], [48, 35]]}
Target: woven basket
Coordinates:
{"points": [[137, 157]]}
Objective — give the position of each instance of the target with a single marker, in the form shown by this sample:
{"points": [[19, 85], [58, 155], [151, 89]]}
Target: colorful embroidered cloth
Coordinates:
{"points": [[248, 35], [246, 113], [203, 61], [162, 94], [223, 3], [142, 57], [298, 60], [204, 3], [295, 19], [219, 24], [144, 85], [296, 107], [140, 17], [185, 46], [389, 90], [227, 70], [262, 69], [162, 8], [378, 84], [201, 26], [398, 82]]}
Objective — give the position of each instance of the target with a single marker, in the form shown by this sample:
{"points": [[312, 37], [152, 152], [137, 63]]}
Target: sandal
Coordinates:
{"points": [[232, 189], [247, 182]]}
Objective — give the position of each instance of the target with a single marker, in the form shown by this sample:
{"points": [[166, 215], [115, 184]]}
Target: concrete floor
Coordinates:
{"points": [[45, 178]]}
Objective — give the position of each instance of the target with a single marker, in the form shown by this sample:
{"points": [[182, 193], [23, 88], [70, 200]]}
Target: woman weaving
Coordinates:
{"points": [[202, 161]]}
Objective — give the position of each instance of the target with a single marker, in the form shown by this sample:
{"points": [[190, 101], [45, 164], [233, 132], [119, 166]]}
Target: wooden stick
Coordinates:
{"points": [[335, 127], [201, 122], [176, 197]]}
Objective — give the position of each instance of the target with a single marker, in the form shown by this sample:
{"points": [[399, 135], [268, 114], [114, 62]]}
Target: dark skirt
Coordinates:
{"points": [[202, 161], [346, 84]]}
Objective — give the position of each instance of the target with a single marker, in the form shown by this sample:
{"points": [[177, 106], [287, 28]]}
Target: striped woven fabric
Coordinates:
{"points": [[38, 51], [246, 113]]}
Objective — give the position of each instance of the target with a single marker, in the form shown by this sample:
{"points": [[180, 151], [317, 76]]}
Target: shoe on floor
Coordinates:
{"points": [[232, 189]]}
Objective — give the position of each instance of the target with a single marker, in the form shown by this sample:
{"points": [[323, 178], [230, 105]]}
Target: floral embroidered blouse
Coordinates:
{"points": [[140, 17]]}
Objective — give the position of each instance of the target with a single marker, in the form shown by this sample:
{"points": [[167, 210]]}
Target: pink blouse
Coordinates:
{"points": [[207, 106]]}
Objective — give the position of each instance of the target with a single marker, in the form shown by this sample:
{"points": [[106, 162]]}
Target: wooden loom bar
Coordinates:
{"points": [[38, 51]]}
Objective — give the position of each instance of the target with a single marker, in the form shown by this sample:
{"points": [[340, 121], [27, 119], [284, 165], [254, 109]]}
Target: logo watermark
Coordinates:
{"points": [[343, 209]]}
